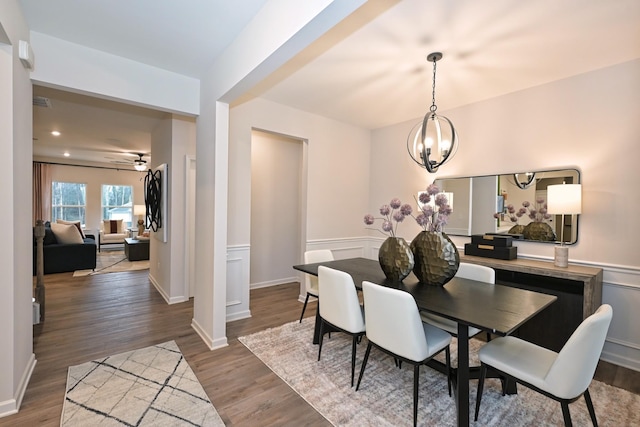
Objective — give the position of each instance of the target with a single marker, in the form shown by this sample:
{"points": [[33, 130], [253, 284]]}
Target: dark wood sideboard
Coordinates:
{"points": [[578, 288]]}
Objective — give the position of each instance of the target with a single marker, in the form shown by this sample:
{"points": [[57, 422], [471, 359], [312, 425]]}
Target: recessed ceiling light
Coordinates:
{"points": [[55, 133], [66, 154]]}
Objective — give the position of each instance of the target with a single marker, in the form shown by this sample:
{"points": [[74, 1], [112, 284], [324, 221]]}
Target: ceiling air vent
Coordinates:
{"points": [[41, 101]]}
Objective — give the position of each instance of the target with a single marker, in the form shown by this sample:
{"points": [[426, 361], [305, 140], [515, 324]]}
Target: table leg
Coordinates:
{"points": [[462, 392]]}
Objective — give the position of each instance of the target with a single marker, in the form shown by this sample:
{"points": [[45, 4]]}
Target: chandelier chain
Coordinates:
{"points": [[433, 107]]}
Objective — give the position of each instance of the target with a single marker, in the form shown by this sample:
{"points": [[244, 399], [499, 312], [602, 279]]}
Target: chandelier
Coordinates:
{"points": [[433, 141]]}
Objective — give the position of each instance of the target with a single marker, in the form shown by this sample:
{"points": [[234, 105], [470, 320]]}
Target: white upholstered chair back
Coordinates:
{"points": [[395, 321], [573, 369], [466, 270], [312, 257], [338, 298], [477, 272]]}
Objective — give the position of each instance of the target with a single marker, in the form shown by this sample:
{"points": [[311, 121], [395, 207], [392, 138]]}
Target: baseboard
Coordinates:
{"points": [[240, 315], [11, 406], [273, 282], [210, 342], [161, 291]]}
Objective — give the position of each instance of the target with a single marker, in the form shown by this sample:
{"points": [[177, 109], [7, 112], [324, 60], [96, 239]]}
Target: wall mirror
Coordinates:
{"points": [[479, 198]]}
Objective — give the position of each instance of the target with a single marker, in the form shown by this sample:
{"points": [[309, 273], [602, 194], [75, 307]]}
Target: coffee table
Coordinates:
{"points": [[136, 250]]}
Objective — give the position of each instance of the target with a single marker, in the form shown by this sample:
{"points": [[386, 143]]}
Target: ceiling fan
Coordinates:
{"points": [[139, 164]]}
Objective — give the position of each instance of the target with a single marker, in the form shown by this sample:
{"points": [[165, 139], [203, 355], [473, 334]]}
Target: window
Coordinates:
{"points": [[68, 201], [117, 203]]}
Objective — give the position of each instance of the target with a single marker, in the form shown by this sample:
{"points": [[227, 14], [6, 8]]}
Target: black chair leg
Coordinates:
{"points": [[364, 364], [592, 412], [483, 374], [304, 307], [416, 378], [353, 357], [321, 337], [565, 414], [447, 353]]}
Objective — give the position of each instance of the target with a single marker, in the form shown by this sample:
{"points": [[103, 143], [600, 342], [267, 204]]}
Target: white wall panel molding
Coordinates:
{"points": [[238, 268]]}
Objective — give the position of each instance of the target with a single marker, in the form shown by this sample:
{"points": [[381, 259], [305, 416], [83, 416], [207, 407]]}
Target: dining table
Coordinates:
{"points": [[495, 308]]}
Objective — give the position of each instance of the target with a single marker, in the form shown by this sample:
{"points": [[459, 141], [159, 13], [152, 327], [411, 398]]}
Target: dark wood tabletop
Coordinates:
{"points": [[494, 308]]}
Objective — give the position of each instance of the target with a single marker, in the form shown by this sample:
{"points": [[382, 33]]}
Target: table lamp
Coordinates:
{"points": [[140, 211], [563, 199]]}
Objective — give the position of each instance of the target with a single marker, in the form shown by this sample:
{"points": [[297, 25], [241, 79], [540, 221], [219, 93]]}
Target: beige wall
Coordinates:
{"points": [[171, 142], [587, 121], [16, 331], [94, 178], [276, 201], [336, 169]]}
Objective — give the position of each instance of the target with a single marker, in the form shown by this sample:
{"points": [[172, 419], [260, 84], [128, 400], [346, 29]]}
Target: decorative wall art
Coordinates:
{"points": [[155, 199]]}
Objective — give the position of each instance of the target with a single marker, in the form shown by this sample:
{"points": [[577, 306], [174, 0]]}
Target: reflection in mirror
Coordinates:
{"points": [[508, 204]]}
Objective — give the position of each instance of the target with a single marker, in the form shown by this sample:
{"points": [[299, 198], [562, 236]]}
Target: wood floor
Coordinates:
{"points": [[97, 316]]}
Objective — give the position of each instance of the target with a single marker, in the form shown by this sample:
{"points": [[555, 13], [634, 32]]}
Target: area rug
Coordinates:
{"points": [[113, 262], [385, 396], [153, 386]]}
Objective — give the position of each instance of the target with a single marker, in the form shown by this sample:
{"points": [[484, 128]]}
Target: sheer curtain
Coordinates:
{"points": [[41, 192]]}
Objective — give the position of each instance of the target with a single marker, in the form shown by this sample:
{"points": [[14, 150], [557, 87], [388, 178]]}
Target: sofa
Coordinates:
{"points": [[64, 257]]}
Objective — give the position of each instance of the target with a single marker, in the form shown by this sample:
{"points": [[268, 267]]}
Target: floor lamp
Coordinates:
{"points": [[563, 199]]}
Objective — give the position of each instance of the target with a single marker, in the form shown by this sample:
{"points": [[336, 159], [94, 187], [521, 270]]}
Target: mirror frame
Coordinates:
{"points": [[485, 184]]}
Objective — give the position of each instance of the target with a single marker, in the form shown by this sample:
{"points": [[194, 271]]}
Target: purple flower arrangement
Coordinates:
{"points": [[430, 217], [392, 215], [537, 212], [433, 217]]}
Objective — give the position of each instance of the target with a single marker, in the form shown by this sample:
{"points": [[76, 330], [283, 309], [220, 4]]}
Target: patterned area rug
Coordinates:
{"points": [[113, 262], [385, 395], [153, 386]]}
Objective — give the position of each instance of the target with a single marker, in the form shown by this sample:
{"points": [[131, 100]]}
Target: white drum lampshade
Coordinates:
{"points": [[563, 199]]}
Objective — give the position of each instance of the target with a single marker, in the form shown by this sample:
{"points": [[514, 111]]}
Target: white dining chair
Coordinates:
{"points": [[466, 270], [563, 376], [310, 281], [394, 326], [339, 308]]}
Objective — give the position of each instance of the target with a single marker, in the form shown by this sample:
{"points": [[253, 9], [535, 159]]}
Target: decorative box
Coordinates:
{"points": [[492, 240], [491, 251]]}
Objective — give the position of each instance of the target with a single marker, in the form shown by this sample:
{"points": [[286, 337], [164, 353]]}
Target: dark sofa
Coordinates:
{"points": [[60, 258]]}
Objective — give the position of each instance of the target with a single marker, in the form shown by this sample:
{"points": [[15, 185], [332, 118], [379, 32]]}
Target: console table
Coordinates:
{"points": [[578, 288]]}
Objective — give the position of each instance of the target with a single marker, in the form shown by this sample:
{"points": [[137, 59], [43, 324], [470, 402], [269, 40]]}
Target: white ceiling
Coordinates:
{"points": [[370, 70]]}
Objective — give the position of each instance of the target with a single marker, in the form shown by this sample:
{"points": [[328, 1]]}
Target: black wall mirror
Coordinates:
{"points": [[508, 203]]}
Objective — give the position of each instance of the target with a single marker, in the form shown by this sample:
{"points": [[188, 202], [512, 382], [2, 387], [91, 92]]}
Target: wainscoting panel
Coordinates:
{"points": [[238, 283], [621, 289], [355, 247]]}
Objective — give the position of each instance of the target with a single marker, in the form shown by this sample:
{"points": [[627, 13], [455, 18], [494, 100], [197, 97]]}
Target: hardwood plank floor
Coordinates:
{"points": [[97, 316]]}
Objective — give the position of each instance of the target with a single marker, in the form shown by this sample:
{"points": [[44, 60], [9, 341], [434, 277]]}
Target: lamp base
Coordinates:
{"points": [[561, 256]]}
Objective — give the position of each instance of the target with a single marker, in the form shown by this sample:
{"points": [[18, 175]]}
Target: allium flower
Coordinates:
{"points": [[433, 189], [406, 209], [537, 212], [424, 198], [392, 215], [433, 217]]}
